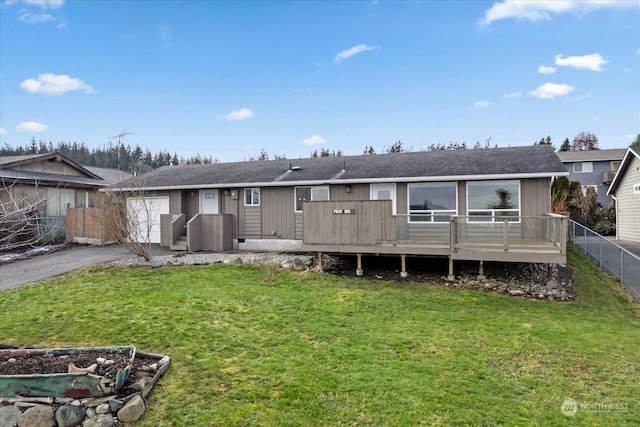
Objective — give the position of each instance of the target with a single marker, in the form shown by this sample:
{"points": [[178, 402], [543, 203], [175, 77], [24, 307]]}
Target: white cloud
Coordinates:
{"points": [[45, 4], [346, 54], [2, 131], [543, 69], [542, 10], [551, 90], [482, 104], [31, 127], [35, 18], [55, 84], [512, 95], [313, 140], [241, 114], [593, 62]]}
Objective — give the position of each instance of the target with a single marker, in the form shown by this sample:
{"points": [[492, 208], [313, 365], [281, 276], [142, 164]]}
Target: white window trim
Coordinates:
{"points": [[582, 167], [495, 212], [433, 213], [311, 187], [392, 186], [636, 188], [259, 196]]}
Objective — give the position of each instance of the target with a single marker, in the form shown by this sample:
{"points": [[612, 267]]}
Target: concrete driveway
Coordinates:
{"points": [[59, 262]]}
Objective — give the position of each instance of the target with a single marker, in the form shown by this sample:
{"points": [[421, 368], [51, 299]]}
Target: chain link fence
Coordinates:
{"points": [[610, 256]]}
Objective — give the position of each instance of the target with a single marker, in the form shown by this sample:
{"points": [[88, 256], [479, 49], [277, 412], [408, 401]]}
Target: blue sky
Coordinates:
{"points": [[228, 79]]}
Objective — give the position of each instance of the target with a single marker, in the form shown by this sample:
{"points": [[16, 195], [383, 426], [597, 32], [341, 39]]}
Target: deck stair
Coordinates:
{"points": [[181, 244]]}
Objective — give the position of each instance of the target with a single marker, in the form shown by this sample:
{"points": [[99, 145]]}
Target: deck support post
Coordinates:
{"points": [[320, 261], [403, 263], [359, 267], [481, 275], [451, 276], [550, 272]]}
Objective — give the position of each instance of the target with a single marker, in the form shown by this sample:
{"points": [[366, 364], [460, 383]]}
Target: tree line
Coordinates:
{"points": [[138, 160], [113, 156]]}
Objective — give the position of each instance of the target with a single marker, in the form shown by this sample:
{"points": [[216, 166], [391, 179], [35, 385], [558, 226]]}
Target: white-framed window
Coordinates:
{"points": [[636, 188], [493, 201], [432, 201], [584, 189], [252, 197], [305, 194], [583, 167], [384, 192]]}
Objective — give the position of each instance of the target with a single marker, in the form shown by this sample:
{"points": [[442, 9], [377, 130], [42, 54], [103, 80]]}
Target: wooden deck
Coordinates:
{"points": [[539, 239]]}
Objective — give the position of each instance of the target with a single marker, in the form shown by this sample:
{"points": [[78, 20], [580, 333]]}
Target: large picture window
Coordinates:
{"points": [[305, 194], [432, 202], [492, 201]]}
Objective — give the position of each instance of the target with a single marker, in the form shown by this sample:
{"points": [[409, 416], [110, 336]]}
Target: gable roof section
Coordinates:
{"points": [[442, 165], [632, 152], [9, 163], [591, 155]]}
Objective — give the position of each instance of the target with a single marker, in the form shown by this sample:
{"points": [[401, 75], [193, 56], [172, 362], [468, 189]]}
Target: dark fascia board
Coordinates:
{"points": [[628, 157], [51, 156]]}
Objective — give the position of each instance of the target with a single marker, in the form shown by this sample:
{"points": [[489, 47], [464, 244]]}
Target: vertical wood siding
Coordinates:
{"points": [[368, 222], [277, 212]]}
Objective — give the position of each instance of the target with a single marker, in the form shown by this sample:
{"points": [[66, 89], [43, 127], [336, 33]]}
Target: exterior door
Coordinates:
{"points": [[384, 192], [209, 202]]}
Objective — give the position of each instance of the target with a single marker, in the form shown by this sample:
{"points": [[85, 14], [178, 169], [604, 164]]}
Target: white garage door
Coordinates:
{"points": [[144, 217]]}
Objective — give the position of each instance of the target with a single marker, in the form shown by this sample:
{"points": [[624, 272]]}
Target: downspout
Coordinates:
{"points": [[615, 199]]}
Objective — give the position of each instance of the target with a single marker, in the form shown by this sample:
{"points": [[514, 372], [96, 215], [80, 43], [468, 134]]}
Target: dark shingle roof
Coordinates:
{"points": [[12, 174], [111, 176], [416, 166]]}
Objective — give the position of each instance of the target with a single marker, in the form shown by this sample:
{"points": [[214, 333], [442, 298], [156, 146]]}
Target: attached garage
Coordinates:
{"points": [[144, 217]]}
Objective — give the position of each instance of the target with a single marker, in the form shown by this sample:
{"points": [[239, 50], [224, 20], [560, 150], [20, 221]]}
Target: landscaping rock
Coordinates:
{"points": [[102, 420], [298, 265], [91, 412], [37, 416], [115, 404], [102, 409], [70, 415], [9, 416], [132, 410]]}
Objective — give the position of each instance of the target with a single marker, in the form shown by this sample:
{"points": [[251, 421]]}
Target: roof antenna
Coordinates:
{"points": [[120, 137]]}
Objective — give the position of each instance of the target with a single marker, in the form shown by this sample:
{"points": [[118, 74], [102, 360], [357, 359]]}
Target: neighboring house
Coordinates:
{"points": [[625, 189], [422, 203], [593, 168], [49, 183]]}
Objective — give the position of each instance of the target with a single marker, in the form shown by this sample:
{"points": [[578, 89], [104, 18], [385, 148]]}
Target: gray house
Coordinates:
{"points": [[593, 168], [625, 190], [479, 204]]}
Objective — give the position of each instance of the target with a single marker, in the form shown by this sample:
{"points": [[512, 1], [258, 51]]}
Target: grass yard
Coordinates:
{"points": [[251, 346]]}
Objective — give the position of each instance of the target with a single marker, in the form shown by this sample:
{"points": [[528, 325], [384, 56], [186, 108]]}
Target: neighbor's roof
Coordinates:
{"points": [[631, 153], [591, 155], [9, 163], [112, 176], [442, 165], [19, 175]]}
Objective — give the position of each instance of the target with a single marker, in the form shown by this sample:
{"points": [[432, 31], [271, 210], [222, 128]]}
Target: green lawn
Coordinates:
{"points": [[251, 346]]}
